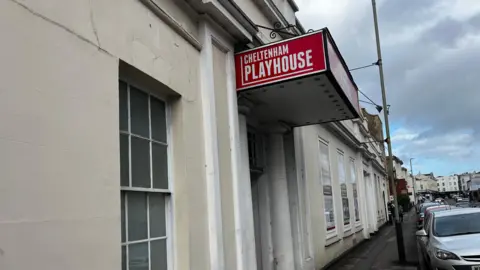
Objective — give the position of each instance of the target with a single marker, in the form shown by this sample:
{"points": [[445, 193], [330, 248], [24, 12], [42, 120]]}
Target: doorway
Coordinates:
{"points": [[385, 205], [254, 180], [256, 156]]}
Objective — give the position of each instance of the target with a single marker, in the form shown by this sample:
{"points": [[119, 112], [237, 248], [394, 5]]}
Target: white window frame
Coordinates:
{"points": [[169, 193], [333, 232], [340, 155], [352, 164]]}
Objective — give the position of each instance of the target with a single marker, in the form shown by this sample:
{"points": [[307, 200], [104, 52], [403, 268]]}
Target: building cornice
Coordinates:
{"points": [[379, 166], [366, 154], [349, 138], [274, 15], [293, 5], [363, 129], [239, 15], [344, 134], [174, 24]]}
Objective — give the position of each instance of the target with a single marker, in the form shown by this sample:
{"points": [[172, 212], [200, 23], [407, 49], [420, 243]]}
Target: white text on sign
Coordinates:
{"points": [[274, 61]]}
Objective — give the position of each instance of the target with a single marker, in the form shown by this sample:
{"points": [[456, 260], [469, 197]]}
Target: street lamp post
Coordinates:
{"points": [[398, 225], [413, 183]]}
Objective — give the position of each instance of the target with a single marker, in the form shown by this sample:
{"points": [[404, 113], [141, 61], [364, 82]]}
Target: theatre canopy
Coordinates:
{"points": [[300, 81]]}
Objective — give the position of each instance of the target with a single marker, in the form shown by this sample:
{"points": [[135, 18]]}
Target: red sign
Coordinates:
{"points": [[340, 73], [280, 61]]}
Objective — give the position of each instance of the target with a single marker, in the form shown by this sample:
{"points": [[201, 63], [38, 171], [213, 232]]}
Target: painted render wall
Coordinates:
{"points": [[59, 194], [326, 250], [59, 114]]}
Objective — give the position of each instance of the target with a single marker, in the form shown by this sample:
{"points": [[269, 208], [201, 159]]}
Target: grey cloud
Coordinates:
{"points": [[446, 33], [431, 81], [456, 145], [443, 94], [474, 22], [396, 14]]}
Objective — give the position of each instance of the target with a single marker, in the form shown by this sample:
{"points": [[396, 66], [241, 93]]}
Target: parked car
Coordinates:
{"points": [[450, 239], [422, 204], [463, 204], [421, 213], [436, 208]]}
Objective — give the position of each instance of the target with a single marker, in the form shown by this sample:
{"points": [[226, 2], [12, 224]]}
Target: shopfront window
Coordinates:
{"points": [[353, 177], [326, 181], [145, 189], [343, 190]]}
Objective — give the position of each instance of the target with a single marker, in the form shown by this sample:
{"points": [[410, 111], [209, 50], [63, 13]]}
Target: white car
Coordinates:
{"points": [[450, 239]]}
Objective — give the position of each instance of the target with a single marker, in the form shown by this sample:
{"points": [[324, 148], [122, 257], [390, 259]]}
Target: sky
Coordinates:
{"points": [[431, 59]]}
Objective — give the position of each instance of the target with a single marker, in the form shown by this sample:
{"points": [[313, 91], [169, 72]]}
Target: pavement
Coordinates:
{"points": [[380, 251]]}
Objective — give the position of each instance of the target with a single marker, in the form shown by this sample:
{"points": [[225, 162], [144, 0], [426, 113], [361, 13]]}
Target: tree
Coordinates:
{"points": [[404, 201]]}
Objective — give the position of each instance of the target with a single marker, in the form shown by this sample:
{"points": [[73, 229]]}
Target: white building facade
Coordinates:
{"points": [[463, 180], [125, 145], [426, 183], [448, 183]]}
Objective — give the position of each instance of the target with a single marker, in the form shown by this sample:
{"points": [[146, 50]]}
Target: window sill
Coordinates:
{"points": [[358, 229], [348, 233], [332, 240]]}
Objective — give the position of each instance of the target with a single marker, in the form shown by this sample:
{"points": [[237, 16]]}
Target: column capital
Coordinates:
{"points": [[244, 105]]}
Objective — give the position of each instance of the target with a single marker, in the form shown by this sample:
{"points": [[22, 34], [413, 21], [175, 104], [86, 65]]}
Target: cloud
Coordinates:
{"points": [[431, 63], [402, 135], [453, 145]]}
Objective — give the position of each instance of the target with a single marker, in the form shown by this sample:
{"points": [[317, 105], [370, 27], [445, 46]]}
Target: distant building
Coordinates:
{"points": [[426, 183], [463, 180], [469, 181], [474, 181], [403, 178], [448, 183]]}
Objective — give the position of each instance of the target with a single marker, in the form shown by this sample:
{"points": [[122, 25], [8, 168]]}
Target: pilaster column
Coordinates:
{"points": [[245, 191], [280, 209]]}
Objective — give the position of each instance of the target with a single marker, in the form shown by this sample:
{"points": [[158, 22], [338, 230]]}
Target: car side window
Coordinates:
{"points": [[429, 228], [427, 223]]}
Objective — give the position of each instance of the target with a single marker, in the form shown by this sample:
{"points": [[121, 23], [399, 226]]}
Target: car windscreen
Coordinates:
{"points": [[460, 224], [436, 209], [425, 206]]}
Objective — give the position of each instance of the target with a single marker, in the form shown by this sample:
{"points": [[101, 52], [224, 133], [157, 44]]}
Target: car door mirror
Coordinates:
{"points": [[421, 233]]}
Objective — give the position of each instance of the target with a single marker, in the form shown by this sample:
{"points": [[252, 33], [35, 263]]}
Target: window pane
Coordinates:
{"points": [[137, 216], [140, 162], [324, 164], [326, 180], [124, 166], [327, 190], [159, 254], [157, 215], [159, 166], [139, 112], [124, 258], [329, 213], [138, 256], [159, 123], [343, 190], [353, 175], [346, 211], [122, 202], [123, 106], [357, 213], [341, 169]]}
